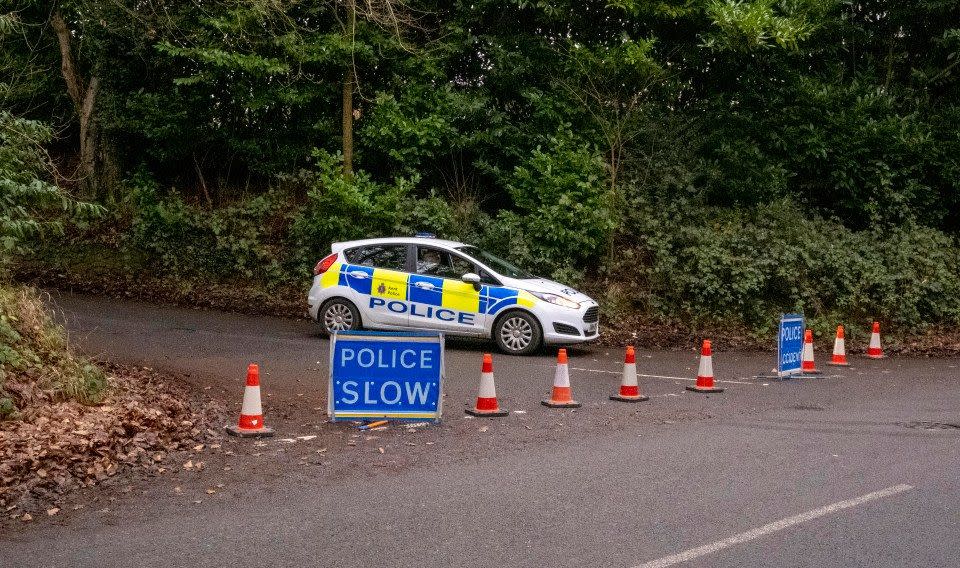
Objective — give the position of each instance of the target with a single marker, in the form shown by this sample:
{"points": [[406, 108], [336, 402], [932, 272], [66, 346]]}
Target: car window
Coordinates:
{"points": [[488, 278], [436, 262], [393, 257], [502, 266]]}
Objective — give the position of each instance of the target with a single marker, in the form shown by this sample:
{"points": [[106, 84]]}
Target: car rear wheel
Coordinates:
{"points": [[517, 333], [338, 314]]}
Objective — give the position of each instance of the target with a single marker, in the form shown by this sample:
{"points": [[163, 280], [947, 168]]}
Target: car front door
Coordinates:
{"points": [[439, 298]]}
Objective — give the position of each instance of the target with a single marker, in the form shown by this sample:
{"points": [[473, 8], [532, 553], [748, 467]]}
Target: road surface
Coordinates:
{"points": [[856, 469]]}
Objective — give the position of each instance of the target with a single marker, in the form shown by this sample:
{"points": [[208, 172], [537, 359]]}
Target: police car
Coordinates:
{"points": [[427, 283]]}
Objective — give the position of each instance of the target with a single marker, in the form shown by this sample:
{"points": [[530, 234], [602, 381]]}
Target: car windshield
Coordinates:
{"points": [[496, 263]]}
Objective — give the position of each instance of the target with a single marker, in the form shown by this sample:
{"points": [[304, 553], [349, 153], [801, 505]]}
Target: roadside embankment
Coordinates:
{"points": [[70, 422]]}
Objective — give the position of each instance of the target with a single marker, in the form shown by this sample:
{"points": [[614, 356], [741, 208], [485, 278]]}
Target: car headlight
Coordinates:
{"points": [[558, 300]]}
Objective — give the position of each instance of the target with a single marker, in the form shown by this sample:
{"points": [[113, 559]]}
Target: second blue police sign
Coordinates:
{"points": [[790, 345], [395, 376]]}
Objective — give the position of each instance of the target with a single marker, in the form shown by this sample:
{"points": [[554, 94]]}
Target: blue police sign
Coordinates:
{"points": [[385, 375], [790, 345]]}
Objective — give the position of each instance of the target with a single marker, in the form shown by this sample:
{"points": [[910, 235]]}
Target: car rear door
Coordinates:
{"points": [[379, 273]]}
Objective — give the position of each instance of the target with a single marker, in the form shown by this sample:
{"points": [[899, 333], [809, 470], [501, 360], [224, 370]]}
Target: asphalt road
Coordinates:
{"points": [[857, 469]]}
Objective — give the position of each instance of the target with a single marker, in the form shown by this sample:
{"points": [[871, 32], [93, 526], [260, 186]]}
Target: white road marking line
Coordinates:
{"points": [[772, 528], [658, 376]]}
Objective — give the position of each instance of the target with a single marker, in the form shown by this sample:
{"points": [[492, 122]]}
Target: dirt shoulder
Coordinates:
{"points": [[139, 428]]}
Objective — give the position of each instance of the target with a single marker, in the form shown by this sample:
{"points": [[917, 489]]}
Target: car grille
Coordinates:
{"points": [[592, 315], [565, 329]]}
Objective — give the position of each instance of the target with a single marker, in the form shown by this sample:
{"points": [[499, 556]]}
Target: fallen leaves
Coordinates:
{"points": [[59, 446]]}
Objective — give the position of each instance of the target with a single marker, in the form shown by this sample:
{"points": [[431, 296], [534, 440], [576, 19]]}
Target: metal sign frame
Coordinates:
{"points": [[429, 337]]}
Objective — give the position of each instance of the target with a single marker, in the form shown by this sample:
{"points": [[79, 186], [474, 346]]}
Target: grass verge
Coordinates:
{"points": [[70, 422]]}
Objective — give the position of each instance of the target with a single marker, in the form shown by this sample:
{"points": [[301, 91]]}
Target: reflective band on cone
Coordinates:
{"points": [[705, 374], [251, 412], [561, 395], [807, 366], [875, 351], [487, 396], [629, 388], [839, 358]]}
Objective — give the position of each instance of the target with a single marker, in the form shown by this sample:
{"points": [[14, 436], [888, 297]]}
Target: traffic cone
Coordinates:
{"points": [[705, 374], [875, 351], [807, 366], [487, 396], [560, 397], [839, 358], [629, 389], [251, 413]]}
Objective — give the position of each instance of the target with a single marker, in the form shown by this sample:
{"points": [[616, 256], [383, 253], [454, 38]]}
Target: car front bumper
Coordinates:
{"points": [[563, 326]]}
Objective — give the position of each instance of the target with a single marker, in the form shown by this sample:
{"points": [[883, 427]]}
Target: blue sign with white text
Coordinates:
{"points": [[790, 344], [385, 375]]}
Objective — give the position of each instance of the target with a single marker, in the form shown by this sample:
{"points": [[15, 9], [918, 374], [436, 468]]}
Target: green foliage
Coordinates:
{"points": [[272, 239], [30, 206], [235, 241], [748, 112], [35, 356], [746, 266], [340, 208], [565, 215], [744, 25]]}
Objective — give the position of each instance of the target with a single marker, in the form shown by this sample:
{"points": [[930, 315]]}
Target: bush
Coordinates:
{"points": [[30, 206], [565, 215], [340, 208], [273, 238], [243, 239], [747, 266]]}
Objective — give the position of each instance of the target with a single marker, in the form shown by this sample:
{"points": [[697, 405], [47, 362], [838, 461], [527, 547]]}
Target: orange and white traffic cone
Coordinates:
{"points": [[807, 366], [839, 358], [487, 396], [251, 413], [561, 396], [629, 388], [875, 351], [705, 374]]}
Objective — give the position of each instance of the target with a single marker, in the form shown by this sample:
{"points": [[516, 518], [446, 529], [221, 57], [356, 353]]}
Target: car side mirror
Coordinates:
{"points": [[472, 278]]}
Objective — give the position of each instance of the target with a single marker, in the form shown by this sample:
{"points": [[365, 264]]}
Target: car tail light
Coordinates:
{"points": [[324, 264]]}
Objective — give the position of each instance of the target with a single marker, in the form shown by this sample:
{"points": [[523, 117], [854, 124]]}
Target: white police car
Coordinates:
{"points": [[428, 283]]}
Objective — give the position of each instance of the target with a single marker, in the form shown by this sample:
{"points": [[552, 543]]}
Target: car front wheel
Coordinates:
{"points": [[517, 333], [338, 315]]}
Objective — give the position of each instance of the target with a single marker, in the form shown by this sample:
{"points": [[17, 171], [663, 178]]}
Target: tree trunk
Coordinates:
{"points": [[88, 137], [348, 80], [96, 163]]}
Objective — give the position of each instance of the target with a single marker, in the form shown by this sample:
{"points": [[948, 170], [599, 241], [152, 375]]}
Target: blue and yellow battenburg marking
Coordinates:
{"points": [[427, 290]]}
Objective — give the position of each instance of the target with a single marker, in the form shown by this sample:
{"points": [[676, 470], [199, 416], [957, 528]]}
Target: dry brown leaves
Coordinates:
{"points": [[57, 447]]}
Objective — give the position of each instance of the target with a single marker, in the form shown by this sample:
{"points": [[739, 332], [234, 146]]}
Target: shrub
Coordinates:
{"points": [[564, 214], [340, 208], [30, 206], [185, 240], [747, 266]]}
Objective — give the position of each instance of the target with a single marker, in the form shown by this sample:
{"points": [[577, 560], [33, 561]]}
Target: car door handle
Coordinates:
{"points": [[425, 286], [359, 274]]}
